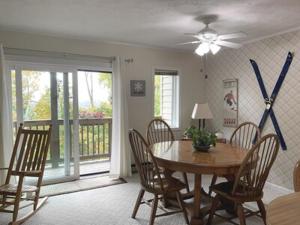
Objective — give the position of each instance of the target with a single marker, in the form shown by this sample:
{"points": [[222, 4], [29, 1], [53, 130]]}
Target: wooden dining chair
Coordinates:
{"points": [[159, 131], [250, 179], [151, 179], [28, 160], [243, 137], [297, 177]]}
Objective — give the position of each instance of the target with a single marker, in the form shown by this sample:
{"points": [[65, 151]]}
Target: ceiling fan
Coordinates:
{"points": [[210, 40]]}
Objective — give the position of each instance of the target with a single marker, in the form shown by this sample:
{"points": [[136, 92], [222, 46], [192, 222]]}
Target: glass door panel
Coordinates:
{"points": [[78, 105], [46, 98], [95, 120]]}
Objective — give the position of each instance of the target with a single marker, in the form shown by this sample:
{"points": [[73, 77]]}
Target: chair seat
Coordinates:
{"points": [[169, 185], [225, 189], [12, 189]]}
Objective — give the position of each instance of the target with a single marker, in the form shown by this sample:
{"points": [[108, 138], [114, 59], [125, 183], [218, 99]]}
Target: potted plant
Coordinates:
{"points": [[188, 133], [203, 140]]}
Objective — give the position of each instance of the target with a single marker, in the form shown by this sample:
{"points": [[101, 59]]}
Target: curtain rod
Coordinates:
{"points": [[64, 55]]}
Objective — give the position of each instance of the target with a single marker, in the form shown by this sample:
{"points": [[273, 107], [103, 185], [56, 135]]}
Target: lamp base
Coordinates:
{"points": [[203, 124]]}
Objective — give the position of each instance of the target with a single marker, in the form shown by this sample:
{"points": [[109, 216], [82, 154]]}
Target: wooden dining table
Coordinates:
{"points": [[223, 159], [284, 210]]}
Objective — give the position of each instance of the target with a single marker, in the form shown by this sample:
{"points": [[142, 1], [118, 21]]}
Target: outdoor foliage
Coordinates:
{"points": [[157, 96], [36, 96]]}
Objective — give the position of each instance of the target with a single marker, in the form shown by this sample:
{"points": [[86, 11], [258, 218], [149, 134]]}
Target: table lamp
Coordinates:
{"points": [[202, 112]]}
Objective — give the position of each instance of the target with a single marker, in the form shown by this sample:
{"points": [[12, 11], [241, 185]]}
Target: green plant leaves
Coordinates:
{"points": [[201, 137]]}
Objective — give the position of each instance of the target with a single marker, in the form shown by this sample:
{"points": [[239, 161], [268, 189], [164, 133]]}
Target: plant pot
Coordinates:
{"points": [[202, 148]]}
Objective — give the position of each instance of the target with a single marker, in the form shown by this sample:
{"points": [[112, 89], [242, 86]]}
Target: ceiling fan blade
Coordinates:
{"points": [[228, 44], [191, 34], [191, 42], [232, 36]]}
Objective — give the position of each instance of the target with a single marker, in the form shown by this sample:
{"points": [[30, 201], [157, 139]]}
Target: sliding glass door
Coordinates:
{"points": [[44, 96], [95, 120], [77, 103]]}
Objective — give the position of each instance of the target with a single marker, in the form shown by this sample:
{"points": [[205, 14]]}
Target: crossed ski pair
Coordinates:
{"points": [[269, 101]]}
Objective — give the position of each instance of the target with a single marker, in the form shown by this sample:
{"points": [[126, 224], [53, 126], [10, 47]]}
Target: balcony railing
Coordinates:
{"points": [[94, 138]]}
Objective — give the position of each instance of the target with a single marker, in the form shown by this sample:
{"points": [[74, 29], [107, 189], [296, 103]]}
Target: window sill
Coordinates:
{"points": [[176, 129]]}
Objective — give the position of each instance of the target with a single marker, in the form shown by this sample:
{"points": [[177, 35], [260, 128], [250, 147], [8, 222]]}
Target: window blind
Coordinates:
{"points": [[166, 72], [33, 56]]}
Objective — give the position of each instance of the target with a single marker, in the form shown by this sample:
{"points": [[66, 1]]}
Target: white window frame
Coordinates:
{"points": [[38, 65], [176, 98], [18, 67]]}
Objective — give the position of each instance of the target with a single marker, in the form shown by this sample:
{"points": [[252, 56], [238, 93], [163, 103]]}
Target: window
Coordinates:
{"points": [[73, 94], [166, 96]]}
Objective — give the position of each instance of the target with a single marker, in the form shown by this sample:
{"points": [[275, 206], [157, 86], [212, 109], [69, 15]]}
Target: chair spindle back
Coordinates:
{"points": [[244, 135], [29, 152], [159, 131], [144, 161], [256, 166]]}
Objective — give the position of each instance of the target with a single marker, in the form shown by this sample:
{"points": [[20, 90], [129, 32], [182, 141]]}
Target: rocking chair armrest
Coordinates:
{"points": [[34, 173]]}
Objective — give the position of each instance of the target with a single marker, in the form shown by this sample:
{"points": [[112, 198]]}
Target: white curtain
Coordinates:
{"points": [[5, 118], [120, 154]]}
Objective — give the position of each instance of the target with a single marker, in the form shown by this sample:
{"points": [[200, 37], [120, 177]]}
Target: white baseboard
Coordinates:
{"points": [[271, 191], [278, 189]]}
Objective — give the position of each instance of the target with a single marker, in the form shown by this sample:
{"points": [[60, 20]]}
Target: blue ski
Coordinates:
{"points": [[270, 101]]}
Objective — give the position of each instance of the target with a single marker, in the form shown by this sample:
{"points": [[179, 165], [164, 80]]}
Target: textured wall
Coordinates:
{"points": [[270, 55], [145, 60]]}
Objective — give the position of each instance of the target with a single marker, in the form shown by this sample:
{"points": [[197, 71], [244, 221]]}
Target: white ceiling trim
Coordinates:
{"points": [[271, 35]]}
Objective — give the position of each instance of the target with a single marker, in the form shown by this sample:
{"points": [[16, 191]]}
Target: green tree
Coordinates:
{"points": [[90, 86], [157, 94], [30, 88], [106, 108], [42, 109], [105, 80]]}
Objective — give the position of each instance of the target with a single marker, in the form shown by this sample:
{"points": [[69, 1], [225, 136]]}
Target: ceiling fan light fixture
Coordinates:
{"points": [[202, 49], [211, 41], [199, 51], [209, 34], [214, 48]]}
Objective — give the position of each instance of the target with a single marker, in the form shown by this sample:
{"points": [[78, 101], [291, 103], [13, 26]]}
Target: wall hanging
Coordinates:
{"points": [[269, 101], [138, 88], [230, 105]]}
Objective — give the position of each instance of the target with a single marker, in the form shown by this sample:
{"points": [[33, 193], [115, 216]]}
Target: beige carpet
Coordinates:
{"points": [[87, 183], [110, 205]]}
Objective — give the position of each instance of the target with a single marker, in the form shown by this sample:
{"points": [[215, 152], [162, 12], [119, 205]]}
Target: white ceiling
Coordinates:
{"points": [[158, 23]]}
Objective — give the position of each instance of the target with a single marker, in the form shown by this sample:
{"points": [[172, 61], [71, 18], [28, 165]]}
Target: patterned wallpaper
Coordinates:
{"points": [[270, 55]]}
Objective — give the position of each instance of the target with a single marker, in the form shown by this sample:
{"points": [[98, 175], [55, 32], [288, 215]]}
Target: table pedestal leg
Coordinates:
{"points": [[196, 216], [168, 174]]}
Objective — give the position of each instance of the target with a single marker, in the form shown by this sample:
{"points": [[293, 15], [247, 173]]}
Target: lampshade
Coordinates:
{"points": [[214, 48], [202, 49], [201, 111]]}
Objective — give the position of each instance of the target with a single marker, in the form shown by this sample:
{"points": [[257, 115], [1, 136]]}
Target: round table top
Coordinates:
{"points": [[181, 156], [284, 210]]}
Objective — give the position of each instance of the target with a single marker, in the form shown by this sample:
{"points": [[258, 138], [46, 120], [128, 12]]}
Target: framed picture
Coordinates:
{"points": [[230, 103], [138, 88]]}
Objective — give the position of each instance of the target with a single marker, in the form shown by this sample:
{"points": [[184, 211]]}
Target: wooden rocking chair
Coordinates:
{"points": [[28, 160]]}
